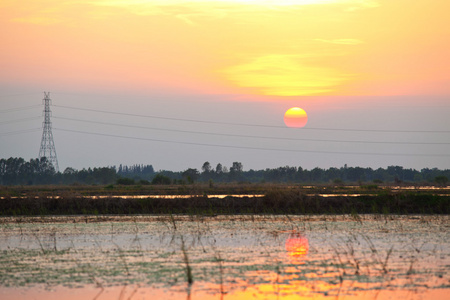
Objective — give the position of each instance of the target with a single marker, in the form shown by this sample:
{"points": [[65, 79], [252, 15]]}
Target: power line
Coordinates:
{"points": [[392, 103], [249, 125], [17, 95], [19, 120], [253, 136], [166, 118], [252, 148], [20, 131], [19, 108]]}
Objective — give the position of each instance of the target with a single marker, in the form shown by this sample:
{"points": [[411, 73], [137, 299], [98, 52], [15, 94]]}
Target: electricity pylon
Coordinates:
{"points": [[47, 145]]}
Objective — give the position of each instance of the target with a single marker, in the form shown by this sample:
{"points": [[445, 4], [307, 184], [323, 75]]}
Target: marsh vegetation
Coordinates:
{"points": [[204, 199]]}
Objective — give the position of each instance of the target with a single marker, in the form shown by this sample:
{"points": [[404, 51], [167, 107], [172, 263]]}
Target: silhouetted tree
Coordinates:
{"points": [[206, 168], [191, 175], [219, 168], [15, 171], [236, 168]]}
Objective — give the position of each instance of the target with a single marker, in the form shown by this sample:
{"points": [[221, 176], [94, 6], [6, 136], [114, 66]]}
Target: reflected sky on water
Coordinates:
{"points": [[233, 257]]}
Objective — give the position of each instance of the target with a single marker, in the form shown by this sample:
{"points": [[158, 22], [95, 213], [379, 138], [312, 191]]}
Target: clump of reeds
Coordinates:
{"points": [[122, 257]]}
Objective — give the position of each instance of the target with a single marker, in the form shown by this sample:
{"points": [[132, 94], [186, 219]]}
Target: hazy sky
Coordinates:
{"points": [[175, 83]]}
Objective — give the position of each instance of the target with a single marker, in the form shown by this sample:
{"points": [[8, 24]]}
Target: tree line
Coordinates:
{"points": [[17, 171]]}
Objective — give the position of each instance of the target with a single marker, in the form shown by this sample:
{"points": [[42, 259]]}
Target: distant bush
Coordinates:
{"points": [[338, 181], [441, 180], [125, 181], [161, 179], [369, 187]]}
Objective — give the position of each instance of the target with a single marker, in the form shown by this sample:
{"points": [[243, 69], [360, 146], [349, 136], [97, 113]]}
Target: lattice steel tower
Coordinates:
{"points": [[47, 145]]}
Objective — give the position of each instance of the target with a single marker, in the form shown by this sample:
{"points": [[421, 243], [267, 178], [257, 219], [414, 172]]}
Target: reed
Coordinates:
{"points": [[190, 278]]}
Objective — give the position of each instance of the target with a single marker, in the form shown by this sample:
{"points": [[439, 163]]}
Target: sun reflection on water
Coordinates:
{"points": [[297, 245]]}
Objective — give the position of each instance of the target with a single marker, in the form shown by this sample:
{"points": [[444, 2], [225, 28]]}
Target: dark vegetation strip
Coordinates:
{"points": [[275, 202]]}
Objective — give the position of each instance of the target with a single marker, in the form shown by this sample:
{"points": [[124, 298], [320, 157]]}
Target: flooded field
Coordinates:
{"points": [[225, 257]]}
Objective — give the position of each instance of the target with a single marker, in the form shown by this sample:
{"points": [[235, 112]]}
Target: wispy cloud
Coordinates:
{"points": [[186, 10], [243, 2], [285, 75], [340, 41], [152, 7]]}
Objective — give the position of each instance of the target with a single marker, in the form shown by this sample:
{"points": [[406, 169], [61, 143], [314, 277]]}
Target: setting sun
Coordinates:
{"points": [[295, 117]]}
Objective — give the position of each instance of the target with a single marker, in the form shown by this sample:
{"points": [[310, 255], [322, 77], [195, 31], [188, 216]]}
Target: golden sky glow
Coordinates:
{"points": [[267, 48]]}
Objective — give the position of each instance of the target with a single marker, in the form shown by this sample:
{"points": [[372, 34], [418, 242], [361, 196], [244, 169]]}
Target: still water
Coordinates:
{"points": [[225, 257]]}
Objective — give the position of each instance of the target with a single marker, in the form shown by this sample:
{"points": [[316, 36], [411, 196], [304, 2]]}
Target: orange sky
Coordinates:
{"points": [[255, 48]]}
